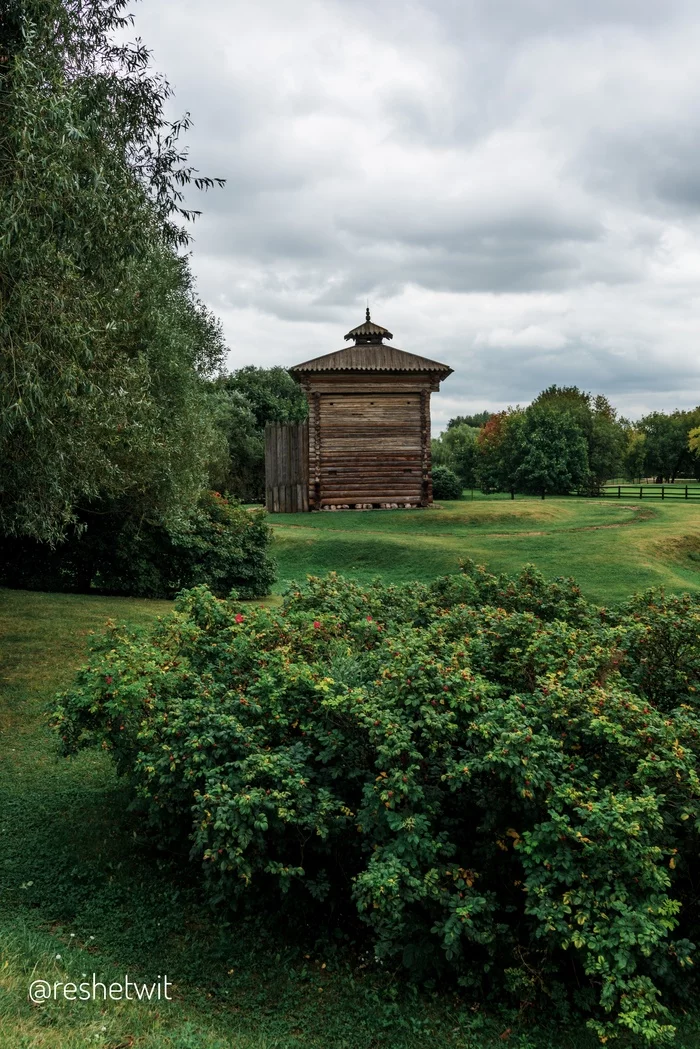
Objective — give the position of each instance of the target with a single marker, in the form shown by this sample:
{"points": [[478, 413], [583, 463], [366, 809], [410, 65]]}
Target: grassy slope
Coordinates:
{"points": [[611, 547], [77, 881]]}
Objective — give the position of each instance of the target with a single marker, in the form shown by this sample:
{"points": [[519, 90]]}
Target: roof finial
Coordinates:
{"points": [[367, 315]]}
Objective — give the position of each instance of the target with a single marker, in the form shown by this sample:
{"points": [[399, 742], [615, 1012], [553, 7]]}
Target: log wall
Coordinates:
{"points": [[370, 448], [369, 439]]}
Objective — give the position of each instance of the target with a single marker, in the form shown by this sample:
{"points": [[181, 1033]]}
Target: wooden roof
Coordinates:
{"points": [[370, 354], [369, 332], [371, 357]]}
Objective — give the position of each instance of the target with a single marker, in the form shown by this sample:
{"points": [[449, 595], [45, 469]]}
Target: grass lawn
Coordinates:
{"points": [[612, 547]]}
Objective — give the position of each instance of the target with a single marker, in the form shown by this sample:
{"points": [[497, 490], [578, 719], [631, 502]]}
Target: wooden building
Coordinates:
{"points": [[368, 439]]}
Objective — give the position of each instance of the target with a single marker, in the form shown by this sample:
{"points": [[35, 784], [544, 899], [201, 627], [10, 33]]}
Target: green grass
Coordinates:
{"points": [[612, 547], [79, 880]]}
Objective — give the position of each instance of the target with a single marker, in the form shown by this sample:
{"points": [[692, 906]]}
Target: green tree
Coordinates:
{"points": [[634, 454], [694, 441], [549, 451], [241, 471], [495, 452], [565, 398], [271, 393], [104, 344], [478, 420], [667, 453], [456, 448], [605, 441], [597, 421]]}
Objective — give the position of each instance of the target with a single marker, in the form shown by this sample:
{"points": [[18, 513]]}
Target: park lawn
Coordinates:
{"points": [[612, 547], [82, 892]]}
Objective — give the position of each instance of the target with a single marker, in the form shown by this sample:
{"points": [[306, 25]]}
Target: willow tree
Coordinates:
{"points": [[104, 346]]}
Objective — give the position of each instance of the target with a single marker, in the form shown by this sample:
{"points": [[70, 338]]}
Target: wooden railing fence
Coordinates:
{"points": [[650, 491]]}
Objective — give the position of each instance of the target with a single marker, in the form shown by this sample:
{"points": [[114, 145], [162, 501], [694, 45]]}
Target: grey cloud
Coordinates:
{"points": [[479, 171], [515, 377], [657, 165]]}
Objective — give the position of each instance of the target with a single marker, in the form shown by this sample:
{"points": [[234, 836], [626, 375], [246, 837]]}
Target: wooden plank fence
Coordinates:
{"points": [[287, 467]]}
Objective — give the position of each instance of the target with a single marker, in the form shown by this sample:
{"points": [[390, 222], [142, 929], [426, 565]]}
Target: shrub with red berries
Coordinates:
{"points": [[478, 768]]}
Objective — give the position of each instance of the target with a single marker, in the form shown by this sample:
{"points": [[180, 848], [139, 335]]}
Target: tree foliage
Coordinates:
{"points": [[634, 454], [694, 441], [494, 464], [245, 400], [456, 449], [105, 346], [475, 421], [667, 451], [240, 471], [547, 451], [446, 483], [216, 543], [540, 447], [271, 393], [597, 420]]}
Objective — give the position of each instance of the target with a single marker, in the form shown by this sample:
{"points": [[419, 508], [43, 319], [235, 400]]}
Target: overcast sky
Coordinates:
{"points": [[514, 185]]}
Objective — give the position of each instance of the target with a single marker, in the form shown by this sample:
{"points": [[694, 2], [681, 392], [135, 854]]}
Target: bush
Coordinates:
{"points": [[446, 483], [218, 544], [662, 647], [471, 768]]}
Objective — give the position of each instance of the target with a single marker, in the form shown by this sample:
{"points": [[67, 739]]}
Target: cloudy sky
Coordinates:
{"points": [[514, 185]]}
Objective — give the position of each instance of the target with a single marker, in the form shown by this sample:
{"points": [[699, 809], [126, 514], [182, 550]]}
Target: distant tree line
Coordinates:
{"points": [[567, 441]]}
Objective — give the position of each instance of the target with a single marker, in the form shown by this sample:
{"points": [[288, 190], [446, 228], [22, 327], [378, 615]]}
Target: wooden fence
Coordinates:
{"points": [[649, 491], [286, 467]]}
